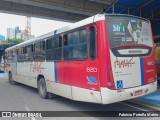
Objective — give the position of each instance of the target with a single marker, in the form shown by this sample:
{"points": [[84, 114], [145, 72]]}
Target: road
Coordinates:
{"points": [[24, 98]]}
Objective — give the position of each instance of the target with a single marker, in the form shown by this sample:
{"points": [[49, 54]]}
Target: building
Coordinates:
{"points": [[19, 35], [16, 33], [17, 29], [11, 33]]}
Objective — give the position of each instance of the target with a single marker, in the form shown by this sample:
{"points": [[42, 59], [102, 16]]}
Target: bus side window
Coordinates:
{"points": [[29, 53], [49, 43], [66, 48], [10, 56], [23, 53], [79, 48], [54, 48], [43, 46], [83, 42], [58, 48], [65, 40], [60, 41], [49, 46], [75, 45], [20, 55], [37, 47], [14, 55], [92, 47], [39, 54]]}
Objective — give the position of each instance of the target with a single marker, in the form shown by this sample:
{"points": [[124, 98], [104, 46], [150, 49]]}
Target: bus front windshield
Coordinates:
{"points": [[129, 33]]}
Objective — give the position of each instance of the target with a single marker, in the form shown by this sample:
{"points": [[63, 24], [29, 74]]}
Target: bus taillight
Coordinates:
{"points": [[110, 79]]}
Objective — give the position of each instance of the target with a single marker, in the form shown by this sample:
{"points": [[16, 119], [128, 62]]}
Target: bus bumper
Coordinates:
{"points": [[112, 96]]}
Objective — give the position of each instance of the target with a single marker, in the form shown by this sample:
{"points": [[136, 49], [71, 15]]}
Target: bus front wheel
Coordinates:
{"points": [[42, 89]]}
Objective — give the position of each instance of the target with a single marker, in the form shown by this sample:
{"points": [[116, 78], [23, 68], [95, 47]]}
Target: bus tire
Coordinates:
{"points": [[11, 81], [42, 89]]}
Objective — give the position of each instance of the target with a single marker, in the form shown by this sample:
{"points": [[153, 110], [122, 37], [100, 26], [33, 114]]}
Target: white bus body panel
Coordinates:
{"points": [[81, 94], [21, 69], [50, 71], [112, 96], [60, 89], [105, 96]]}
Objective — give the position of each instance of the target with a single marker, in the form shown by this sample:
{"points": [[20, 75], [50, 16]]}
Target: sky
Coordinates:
{"points": [[39, 26]]}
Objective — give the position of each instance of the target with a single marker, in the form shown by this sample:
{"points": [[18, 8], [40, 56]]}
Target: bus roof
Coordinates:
{"points": [[81, 23]]}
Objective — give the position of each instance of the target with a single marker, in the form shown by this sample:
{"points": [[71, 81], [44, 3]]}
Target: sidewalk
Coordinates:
{"points": [[151, 101]]}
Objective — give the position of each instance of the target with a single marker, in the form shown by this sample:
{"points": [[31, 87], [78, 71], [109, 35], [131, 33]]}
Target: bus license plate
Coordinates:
{"points": [[138, 92]]}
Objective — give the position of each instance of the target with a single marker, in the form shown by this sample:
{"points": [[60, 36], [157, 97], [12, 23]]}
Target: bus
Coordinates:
{"points": [[104, 59]]}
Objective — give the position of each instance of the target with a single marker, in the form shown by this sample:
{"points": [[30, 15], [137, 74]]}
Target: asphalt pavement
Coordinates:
{"points": [[150, 101], [24, 98]]}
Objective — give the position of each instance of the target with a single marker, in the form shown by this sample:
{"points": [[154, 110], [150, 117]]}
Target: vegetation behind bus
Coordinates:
{"points": [[12, 41]]}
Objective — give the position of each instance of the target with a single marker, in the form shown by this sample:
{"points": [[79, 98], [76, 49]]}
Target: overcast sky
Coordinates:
{"points": [[38, 26]]}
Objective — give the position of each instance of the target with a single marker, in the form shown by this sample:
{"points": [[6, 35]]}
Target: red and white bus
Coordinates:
{"points": [[102, 59]]}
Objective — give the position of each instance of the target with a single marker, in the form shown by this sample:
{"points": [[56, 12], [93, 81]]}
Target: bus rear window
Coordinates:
{"points": [[130, 33]]}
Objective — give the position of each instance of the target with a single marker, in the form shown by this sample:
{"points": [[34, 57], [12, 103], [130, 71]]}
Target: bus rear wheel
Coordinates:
{"points": [[42, 89], [11, 81]]}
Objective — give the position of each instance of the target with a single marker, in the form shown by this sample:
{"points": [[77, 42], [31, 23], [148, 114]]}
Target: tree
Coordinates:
{"points": [[12, 41]]}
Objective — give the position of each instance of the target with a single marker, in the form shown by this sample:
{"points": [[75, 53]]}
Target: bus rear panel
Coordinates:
{"points": [[132, 71]]}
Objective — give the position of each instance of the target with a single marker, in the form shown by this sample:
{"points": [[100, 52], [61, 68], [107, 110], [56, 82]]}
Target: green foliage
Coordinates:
{"points": [[12, 41]]}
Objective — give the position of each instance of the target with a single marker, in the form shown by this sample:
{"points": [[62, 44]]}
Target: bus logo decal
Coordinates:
{"points": [[123, 63], [119, 84], [91, 79], [118, 27], [36, 67]]}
